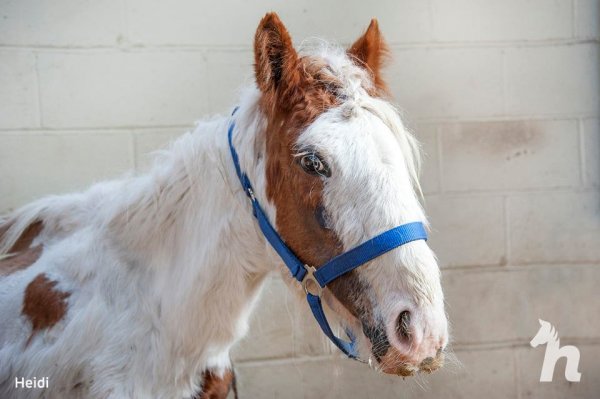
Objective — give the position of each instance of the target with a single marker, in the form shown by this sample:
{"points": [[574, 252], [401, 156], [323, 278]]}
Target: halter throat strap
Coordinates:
{"points": [[314, 280]]}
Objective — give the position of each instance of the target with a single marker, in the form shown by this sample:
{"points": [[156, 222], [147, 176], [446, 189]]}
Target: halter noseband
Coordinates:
{"points": [[313, 279]]}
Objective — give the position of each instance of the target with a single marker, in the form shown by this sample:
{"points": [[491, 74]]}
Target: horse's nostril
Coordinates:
{"points": [[403, 325]]}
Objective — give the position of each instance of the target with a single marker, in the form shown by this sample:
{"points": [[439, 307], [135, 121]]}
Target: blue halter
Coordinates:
{"points": [[313, 280]]}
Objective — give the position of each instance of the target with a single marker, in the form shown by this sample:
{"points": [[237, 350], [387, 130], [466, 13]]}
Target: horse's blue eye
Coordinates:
{"points": [[313, 164]]}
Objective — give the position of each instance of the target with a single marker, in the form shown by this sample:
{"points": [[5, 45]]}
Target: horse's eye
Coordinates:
{"points": [[311, 163]]}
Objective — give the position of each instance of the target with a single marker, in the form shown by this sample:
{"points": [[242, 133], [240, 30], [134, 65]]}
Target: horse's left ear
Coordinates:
{"points": [[371, 51]]}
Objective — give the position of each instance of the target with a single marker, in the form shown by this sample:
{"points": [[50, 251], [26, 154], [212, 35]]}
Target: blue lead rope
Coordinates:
{"points": [[314, 280]]}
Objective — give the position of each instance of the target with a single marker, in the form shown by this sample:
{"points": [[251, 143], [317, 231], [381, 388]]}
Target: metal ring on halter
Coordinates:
{"points": [[310, 280]]}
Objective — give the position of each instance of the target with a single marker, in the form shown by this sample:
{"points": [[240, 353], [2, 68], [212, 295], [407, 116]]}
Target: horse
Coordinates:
{"points": [[140, 286], [548, 335]]}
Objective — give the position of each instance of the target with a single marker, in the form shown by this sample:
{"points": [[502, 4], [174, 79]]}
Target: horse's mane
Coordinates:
{"points": [[54, 214], [142, 203], [12, 228]]}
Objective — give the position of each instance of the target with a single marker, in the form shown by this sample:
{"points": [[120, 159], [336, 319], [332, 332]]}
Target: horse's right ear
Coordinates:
{"points": [[275, 59], [541, 322]]}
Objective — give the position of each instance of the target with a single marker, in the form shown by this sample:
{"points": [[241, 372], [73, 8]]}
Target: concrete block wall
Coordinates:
{"points": [[504, 96]]}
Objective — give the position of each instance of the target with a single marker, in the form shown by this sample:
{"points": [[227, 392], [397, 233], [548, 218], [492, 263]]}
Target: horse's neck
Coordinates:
{"points": [[194, 230]]}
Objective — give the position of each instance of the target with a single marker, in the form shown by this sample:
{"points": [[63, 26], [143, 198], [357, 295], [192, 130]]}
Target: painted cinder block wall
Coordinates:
{"points": [[504, 96]]}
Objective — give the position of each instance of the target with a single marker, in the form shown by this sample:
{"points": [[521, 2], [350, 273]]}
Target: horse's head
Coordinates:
{"points": [[544, 334], [340, 169]]}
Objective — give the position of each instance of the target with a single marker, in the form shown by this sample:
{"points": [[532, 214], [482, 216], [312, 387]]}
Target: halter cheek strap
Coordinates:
{"points": [[313, 280]]}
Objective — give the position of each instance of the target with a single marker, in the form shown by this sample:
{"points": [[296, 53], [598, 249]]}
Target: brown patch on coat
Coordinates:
{"points": [[215, 387], [19, 261], [25, 239], [43, 304], [371, 52], [295, 92]]}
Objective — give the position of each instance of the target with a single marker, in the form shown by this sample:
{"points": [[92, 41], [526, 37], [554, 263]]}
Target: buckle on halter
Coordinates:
{"points": [[250, 193], [310, 283]]}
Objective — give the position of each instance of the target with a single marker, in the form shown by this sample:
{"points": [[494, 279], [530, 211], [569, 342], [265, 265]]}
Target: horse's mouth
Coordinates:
{"points": [[431, 364], [404, 369], [389, 360]]}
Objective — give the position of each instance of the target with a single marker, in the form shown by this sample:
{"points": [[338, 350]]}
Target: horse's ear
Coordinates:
{"points": [[371, 51], [541, 322], [275, 60]]}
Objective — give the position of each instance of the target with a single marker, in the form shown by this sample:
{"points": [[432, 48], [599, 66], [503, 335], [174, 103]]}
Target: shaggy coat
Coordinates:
{"points": [[139, 287]]}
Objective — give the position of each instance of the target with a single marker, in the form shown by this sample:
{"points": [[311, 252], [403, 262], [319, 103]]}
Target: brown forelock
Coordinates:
{"points": [[43, 304], [215, 387]]}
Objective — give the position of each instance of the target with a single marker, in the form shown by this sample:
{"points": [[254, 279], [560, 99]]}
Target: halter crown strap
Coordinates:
{"points": [[335, 267]]}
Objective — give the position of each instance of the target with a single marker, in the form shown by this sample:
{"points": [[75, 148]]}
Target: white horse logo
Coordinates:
{"points": [[547, 334]]}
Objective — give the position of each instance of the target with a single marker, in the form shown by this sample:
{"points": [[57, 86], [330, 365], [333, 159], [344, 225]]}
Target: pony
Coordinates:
{"points": [[548, 335], [140, 286]]}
